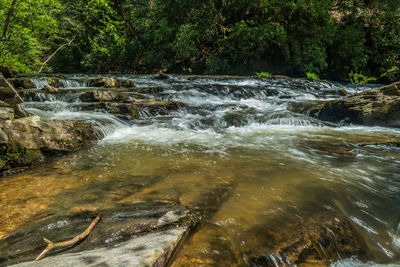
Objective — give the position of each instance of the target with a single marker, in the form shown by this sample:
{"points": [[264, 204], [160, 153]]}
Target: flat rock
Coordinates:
{"points": [[149, 250], [140, 234]]}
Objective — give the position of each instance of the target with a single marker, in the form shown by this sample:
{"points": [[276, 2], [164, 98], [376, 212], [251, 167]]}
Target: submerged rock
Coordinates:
{"points": [[379, 106], [319, 240], [143, 234]]}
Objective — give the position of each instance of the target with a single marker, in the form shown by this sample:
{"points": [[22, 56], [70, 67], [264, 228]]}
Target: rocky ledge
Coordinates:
{"points": [[142, 234], [376, 107], [25, 140]]}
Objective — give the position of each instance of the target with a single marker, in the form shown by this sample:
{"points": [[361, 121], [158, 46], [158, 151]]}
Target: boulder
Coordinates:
{"points": [[48, 135], [379, 107], [103, 96], [50, 89], [106, 82]]}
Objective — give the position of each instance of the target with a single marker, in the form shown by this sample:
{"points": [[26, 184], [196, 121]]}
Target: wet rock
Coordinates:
{"points": [[103, 96], [379, 106], [106, 82], [126, 83], [14, 155], [25, 83], [6, 113], [50, 89], [160, 76], [124, 110], [48, 135], [311, 107], [160, 227], [54, 82], [319, 240]]}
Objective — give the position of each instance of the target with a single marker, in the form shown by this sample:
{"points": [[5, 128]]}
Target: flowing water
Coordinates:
{"points": [[235, 152]]}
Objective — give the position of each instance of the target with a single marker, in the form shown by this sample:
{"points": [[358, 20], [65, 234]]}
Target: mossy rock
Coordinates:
{"points": [[15, 155]]}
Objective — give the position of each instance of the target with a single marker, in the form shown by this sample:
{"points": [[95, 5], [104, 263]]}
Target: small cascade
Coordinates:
{"points": [[39, 83], [72, 83]]}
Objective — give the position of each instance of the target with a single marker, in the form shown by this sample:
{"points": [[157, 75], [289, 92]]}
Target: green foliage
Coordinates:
{"points": [[312, 76], [360, 79], [325, 37], [263, 75]]}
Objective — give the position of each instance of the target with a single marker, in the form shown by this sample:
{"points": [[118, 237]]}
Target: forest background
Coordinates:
{"points": [[332, 39]]}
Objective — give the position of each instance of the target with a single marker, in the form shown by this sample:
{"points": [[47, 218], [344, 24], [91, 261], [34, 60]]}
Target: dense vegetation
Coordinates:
{"points": [[326, 37]]}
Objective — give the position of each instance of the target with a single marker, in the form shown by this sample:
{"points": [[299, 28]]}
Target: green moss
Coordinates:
{"points": [[15, 155]]}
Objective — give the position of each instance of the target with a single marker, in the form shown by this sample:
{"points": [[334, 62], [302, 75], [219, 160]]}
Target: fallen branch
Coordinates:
{"points": [[68, 243], [55, 52]]}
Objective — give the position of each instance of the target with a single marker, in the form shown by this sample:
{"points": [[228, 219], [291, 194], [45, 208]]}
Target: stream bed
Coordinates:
{"points": [[234, 151]]}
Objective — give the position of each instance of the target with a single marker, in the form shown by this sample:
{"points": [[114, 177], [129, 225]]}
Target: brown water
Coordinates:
{"points": [[245, 162]]}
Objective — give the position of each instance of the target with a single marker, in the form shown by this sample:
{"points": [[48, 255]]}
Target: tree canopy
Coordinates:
{"points": [[326, 37]]}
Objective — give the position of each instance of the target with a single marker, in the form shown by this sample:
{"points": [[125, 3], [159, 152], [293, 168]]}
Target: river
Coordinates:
{"points": [[234, 151]]}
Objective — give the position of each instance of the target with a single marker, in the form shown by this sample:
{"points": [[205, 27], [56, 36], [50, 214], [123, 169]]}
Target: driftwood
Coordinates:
{"points": [[68, 243]]}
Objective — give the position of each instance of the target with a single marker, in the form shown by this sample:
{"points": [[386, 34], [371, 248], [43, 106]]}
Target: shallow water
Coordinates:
{"points": [[235, 153]]}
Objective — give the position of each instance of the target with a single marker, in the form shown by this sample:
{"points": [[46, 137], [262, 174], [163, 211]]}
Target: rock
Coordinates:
{"points": [[11, 98], [126, 83], [282, 77], [106, 82], [48, 135], [124, 110], [25, 83], [160, 76], [13, 155], [319, 240], [103, 96], [8, 94], [4, 104], [54, 82], [20, 112], [3, 138], [50, 89], [142, 234], [379, 107], [149, 250], [6, 114]]}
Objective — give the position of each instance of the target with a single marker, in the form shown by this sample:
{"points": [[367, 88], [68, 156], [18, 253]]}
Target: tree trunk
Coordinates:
{"points": [[7, 22]]}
